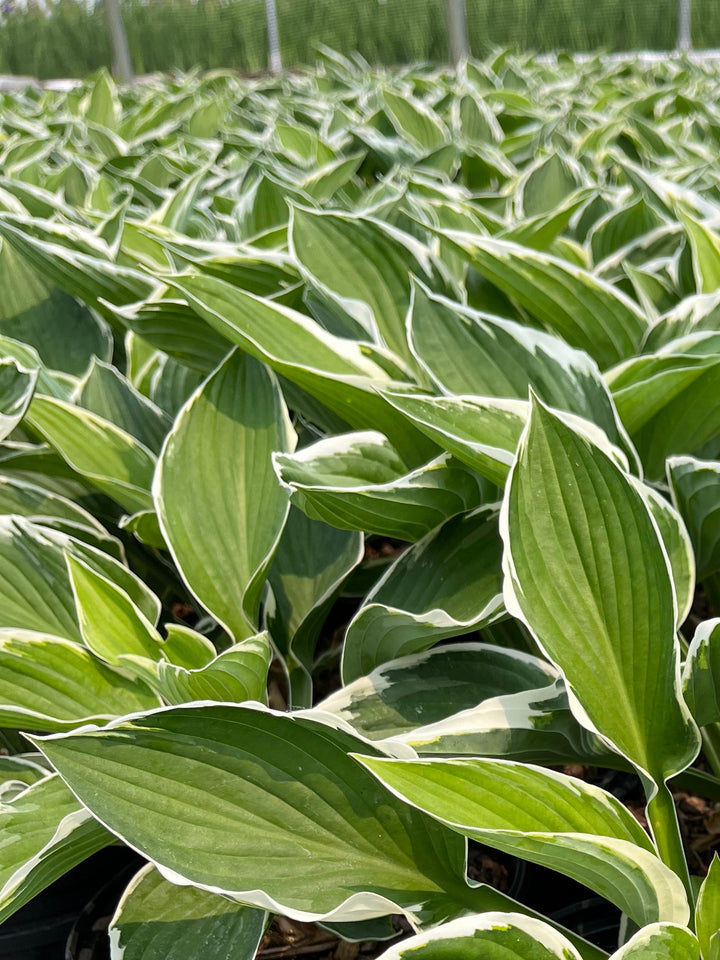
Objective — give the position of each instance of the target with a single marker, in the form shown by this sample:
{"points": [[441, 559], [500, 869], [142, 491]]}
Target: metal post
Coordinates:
{"points": [[457, 31], [122, 64], [684, 37], [273, 37]]}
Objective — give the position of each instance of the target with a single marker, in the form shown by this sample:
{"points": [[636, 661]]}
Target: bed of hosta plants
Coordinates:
{"points": [[360, 473]]}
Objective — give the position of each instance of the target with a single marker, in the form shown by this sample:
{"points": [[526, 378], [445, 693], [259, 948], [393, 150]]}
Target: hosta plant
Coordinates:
{"points": [[358, 489]]}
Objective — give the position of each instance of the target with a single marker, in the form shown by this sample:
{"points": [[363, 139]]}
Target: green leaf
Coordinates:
{"points": [[547, 818], [701, 673], [16, 390], [105, 392], [365, 263], [478, 123], [103, 106], [43, 506], [111, 625], [548, 184], [358, 481], [79, 266], [415, 121], [412, 607], [653, 394], [481, 433], [340, 373], [466, 352], [64, 333], [172, 782], [21, 770], [105, 455], [44, 832], [587, 312], [620, 227], [155, 919], [707, 911], [175, 328], [678, 547], [47, 683], [37, 593], [586, 571], [403, 694], [695, 486], [705, 246], [186, 647], [311, 563], [660, 941], [487, 936], [236, 675], [144, 525], [531, 726], [220, 506]]}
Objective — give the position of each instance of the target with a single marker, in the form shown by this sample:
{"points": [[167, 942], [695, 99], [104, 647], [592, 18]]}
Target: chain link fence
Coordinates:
{"points": [[67, 38]]}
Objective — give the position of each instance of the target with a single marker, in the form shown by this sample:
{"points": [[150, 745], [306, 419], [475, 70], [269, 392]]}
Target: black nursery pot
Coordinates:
{"points": [[88, 937], [39, 930], [594, 919], [574, 906]]}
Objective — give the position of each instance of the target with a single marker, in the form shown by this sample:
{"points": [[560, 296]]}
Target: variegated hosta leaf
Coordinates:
{"points": [[49, 382], [145, 527], [532, 725], [220, 505], [79, 266], [171, 326], [42, 505], [678, 547], [543, 230], [47, 683], [586, 571], [424, 688], [587, 312], [44, 832], [705, 246], [413, 606], [466, 352], [21, 770], [107, 456], [337, 372], [266, 782], [311, 563], [701, 673], [487, 936], [547, 818], [17, 386], [155, 919], [236, 675], [365, 263], [110, 623], [482, 433], [695, 486], [38, 594], [691, 315], [661, 941], [60, 333], [415, 121], [358, 481], [548, 182], [186, 647], [707, 913], [105, 392], [654, 394], [181, 668]]}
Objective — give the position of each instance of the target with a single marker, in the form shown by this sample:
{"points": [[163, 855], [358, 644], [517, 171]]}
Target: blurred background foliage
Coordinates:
{"points": [[68, 38]]}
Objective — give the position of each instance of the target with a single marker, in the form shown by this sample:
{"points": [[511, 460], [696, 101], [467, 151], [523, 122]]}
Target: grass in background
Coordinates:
{"points": [[180, 34]]}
